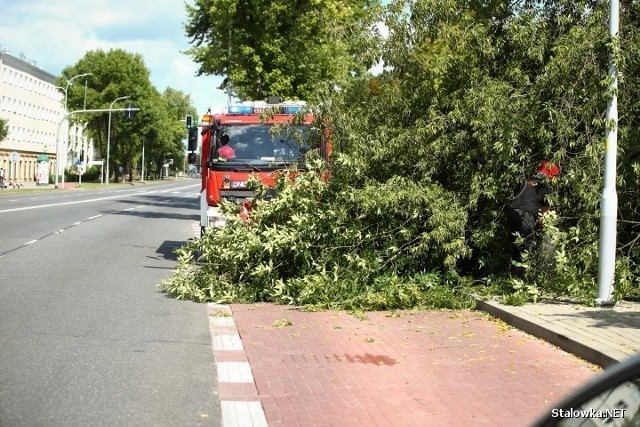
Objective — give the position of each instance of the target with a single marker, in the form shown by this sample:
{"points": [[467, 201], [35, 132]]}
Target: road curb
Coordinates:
{"points": [[239, 399]]}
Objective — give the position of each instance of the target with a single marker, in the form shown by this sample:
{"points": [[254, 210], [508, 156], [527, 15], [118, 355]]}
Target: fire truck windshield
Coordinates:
{"points": [[256, 143]]}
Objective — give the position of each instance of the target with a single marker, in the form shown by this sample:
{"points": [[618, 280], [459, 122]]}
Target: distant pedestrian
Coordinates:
{"points": [[2, 178], [524, 215]]}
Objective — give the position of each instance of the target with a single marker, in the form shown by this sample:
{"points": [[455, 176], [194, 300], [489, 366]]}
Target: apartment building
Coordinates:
{"points": [[33, 106]]}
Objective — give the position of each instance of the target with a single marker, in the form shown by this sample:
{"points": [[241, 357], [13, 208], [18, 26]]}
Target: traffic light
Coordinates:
{"points": [[189, 121], [193, 139], [130, 114]]}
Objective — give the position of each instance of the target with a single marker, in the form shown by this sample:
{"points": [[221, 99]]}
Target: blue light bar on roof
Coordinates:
{"points": [[290, 109], [240, 109], [257, 107]]}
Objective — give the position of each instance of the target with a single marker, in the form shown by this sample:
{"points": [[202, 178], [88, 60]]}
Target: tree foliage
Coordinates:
{"points": [[314, 246], [478, 93], [475, 94], [116, 74], [289, 49]]}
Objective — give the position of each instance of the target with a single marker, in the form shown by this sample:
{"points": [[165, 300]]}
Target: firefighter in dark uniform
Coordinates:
{"points": [[524, 215]]}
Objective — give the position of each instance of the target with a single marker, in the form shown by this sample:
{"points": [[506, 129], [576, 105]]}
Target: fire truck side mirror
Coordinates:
{"points": [[193, 139]]}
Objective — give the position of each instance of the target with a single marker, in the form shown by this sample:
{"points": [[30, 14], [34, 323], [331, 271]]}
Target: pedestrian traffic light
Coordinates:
{"points": [[193, 139], [189, 121]]}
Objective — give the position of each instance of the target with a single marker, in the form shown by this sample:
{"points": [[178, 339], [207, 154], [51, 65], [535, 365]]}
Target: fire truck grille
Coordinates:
{"points": [[237, 195]]}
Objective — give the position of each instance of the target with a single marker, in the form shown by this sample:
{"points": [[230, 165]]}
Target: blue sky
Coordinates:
{"points": [[57, 33]]}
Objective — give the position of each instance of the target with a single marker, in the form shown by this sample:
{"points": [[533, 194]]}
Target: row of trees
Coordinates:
{"points": [[157, 125], [475, 94]]}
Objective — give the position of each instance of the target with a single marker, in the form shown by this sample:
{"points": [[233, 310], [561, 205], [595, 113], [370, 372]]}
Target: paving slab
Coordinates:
{"points": [[601, 335], [408, 368]]}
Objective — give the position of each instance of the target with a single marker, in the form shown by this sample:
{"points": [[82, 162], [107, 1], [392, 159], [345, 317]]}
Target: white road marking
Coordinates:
{"points": [[26, 208], [30, 243]]}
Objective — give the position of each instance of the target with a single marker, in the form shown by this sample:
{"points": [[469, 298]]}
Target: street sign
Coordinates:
{"points": [[14, 157]]}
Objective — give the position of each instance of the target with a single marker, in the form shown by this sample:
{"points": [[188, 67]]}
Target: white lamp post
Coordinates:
{"points": [[66, 91], [58, 145], [66, 98], [609, 200], [109, 136]]}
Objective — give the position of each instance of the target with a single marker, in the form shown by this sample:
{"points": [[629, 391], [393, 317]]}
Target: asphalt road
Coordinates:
{"points": [[86, 337]]}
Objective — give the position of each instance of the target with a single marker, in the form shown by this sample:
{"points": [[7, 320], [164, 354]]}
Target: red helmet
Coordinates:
{"points": [[548, 169]]}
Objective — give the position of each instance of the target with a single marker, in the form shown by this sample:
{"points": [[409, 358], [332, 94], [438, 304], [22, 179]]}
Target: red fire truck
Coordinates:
{"points": [[238, 141]]}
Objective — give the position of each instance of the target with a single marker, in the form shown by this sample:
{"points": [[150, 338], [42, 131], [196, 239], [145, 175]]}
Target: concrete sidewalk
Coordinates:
{"points": [[600, 335]]}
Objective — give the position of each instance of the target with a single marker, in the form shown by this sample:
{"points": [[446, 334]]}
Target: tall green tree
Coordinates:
{"points": [[289, 49], [178, 103], [478, 93], [115, 74], [165, 136]]}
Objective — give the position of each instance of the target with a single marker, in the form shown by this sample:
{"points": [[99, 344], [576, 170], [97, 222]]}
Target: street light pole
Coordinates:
{"points": [[57, 171], [66, 91], [84, 106], [66, 98], [609, 199], [109, 136]]}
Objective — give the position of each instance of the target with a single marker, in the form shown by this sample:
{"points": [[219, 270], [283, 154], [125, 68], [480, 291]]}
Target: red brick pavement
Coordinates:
{"points": [[426, 368]]}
